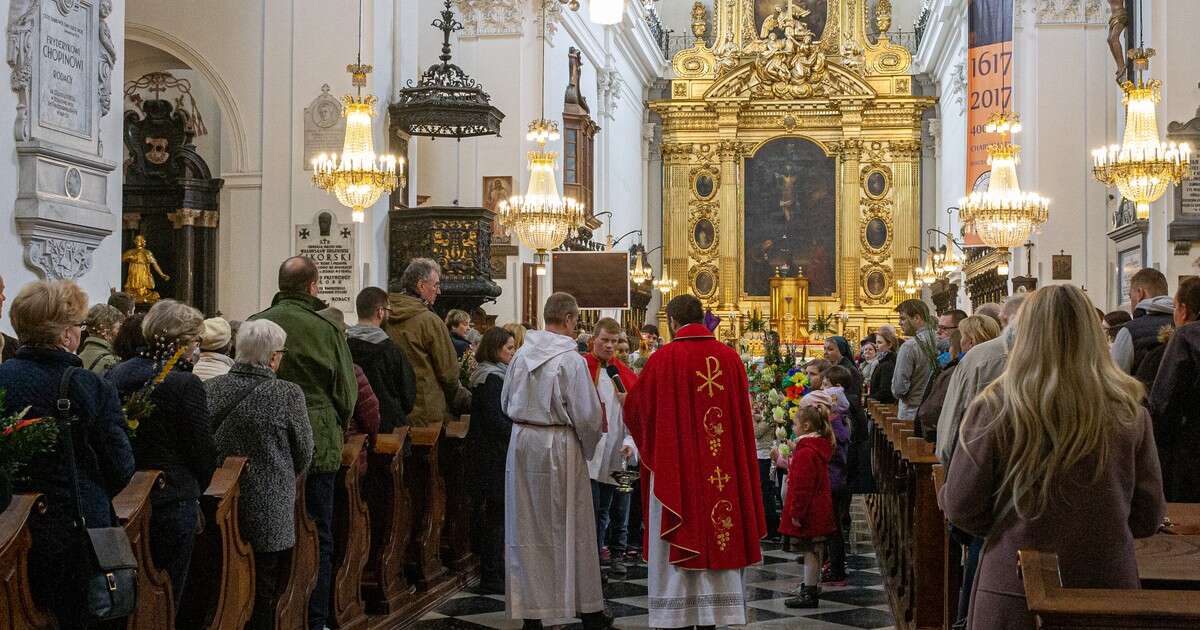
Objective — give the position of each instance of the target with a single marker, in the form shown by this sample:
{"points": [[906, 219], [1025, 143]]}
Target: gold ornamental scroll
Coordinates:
{"points": [[807, 73]]}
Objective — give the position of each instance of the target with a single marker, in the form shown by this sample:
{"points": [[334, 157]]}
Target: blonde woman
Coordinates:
{"points": [[1057, 455], [971, 332], [518, 332]]}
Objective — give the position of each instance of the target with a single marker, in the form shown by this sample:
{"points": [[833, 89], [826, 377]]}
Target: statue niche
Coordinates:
{"points": [[791, 216], [171, 201]]}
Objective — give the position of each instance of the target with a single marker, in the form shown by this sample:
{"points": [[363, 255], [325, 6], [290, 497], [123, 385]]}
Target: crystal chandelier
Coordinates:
{"points": [[358, 177], [1003, 216], [1142, 166], [665, 284], [910, 285], [542, 218]]}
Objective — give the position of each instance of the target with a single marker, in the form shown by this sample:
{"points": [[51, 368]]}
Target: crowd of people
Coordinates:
{"points": [[1043, 411]]}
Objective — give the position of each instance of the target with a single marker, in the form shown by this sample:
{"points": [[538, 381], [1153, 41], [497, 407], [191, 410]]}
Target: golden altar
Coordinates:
{"points": [[792, 146]]}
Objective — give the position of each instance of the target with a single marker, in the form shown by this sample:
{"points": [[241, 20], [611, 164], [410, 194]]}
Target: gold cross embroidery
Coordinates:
{"points": [[719, 479], [713, 368]]}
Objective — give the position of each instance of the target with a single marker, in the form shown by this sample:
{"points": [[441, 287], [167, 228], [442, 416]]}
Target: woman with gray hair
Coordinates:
{"points": [[102, 323], [167, 414], [256, 415]]}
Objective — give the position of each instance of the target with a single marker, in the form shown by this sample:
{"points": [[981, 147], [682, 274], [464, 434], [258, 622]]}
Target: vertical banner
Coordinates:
{"points": [[989, 83]]}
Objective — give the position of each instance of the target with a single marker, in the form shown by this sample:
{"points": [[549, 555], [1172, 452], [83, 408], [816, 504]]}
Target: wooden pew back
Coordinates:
{"points": [[156, 602], [1059, 608], [17, 608], [219, 594]]}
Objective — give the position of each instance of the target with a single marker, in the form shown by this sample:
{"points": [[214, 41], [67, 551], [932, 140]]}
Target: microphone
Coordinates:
{"points": [[615, 375]]}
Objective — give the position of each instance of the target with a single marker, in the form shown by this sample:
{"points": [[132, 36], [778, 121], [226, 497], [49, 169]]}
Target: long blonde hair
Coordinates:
{"points": [[1060, 399]]}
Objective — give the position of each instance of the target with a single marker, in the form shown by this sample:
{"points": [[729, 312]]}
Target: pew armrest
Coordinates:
{"points": [[14, 517], [1047, 597], [225, 478], [136, 493], [391, 443], [353, 448], [426, 436]]}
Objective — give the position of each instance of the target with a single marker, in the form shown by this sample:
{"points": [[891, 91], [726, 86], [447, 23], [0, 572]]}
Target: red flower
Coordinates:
{"points": [[21, 425]]}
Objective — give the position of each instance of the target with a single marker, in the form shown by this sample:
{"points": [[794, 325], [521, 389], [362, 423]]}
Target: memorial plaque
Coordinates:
{"points": [[331, 245], [66, 80], [324, 127], [1190, 187]]}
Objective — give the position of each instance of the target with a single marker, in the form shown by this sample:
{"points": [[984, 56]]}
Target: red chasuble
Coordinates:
{"points": [[690, 416]]}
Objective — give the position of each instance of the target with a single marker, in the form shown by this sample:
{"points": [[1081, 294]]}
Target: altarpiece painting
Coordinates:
{"points": [[791, 216], [792, 143]]}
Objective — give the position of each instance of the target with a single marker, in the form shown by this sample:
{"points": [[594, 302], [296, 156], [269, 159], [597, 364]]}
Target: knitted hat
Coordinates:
{"points": [[216, 335], [820, 397]]}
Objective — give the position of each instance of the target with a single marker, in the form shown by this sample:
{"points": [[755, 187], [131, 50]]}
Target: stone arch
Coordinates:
{"points": [[231, 115]]}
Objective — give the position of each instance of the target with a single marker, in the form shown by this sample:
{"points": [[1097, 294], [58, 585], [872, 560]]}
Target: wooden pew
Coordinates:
{"points": [[384, 585], [18, 611], [952, 572], [156, 603], [291, 610], [219, 594], [351, 540], [1058, 608], [456, 539], [907, 526], [427, 490]]}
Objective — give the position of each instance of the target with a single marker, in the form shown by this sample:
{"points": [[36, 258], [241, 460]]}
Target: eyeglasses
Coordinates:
{"points": [[941, 327], [282, 351]]}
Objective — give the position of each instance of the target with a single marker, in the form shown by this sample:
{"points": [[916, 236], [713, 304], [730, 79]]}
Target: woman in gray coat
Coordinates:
{"points": [[1056, 455], [258, 416]]}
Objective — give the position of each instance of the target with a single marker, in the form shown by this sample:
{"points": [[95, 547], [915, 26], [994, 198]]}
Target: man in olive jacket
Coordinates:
{"points": [[426, 342], [318, 360]]}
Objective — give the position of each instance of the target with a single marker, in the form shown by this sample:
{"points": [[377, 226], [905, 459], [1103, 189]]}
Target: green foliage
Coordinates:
{"points": [[22, 440]]}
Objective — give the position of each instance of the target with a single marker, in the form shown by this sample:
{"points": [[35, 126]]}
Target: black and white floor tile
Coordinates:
{"points": [[861, 604]]}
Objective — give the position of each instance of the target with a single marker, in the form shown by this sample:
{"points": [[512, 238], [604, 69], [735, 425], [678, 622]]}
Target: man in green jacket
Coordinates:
{"points": [[317, 359]]}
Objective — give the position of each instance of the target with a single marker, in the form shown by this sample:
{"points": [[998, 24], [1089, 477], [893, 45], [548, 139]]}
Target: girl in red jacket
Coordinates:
{"points": [[808, 508]]}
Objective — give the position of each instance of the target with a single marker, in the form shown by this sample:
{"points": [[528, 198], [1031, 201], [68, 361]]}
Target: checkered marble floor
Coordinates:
{"points": [[862, 603]]}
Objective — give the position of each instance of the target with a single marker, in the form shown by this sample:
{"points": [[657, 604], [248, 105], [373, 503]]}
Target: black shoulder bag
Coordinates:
{"points": [[109, 579]]}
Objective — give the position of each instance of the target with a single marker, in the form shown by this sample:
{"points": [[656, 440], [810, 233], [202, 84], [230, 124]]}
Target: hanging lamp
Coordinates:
{"points": [[358, 177], [542, 218], [1003, 216], [1142, 166]]}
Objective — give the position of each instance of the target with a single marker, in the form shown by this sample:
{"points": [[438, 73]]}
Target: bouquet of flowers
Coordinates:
{"points": [[21, 440]]}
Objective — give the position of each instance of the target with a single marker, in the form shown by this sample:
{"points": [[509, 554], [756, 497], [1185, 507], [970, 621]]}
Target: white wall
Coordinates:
{"points": [[105, 271], [264, 62]]}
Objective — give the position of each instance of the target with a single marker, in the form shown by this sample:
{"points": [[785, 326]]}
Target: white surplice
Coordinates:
{"points": [[681, 598], [608, 458], [552, 569]]}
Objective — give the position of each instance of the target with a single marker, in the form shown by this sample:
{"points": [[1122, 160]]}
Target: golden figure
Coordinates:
{"points": [[138, 280]]}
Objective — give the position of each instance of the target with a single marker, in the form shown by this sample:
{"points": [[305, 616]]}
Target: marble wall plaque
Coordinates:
{"points": [[67, 81], [1190, 187], [324, 127], [331, 245]]}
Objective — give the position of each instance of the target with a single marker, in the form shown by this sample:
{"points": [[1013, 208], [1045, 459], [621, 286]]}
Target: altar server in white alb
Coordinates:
{"points": [[553, 572], [616, 446]]}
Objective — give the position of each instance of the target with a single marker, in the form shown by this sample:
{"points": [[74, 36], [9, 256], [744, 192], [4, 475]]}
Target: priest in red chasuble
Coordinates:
{"points": [[689, 414]]}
